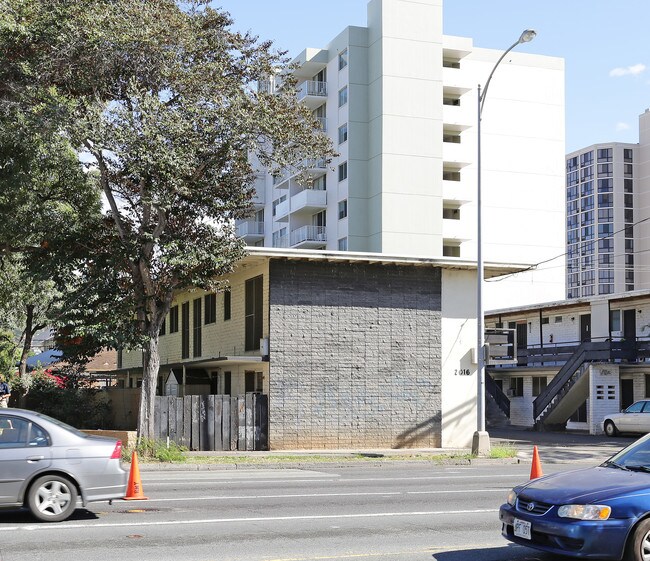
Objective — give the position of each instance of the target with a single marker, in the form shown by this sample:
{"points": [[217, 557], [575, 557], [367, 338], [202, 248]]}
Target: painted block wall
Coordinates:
{"points": [[222, 338], [604, 394], [354, 356]]}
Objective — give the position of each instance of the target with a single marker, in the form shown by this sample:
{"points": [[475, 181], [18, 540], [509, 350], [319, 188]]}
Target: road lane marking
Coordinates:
{"points": [[320, 495], [135, 523]]}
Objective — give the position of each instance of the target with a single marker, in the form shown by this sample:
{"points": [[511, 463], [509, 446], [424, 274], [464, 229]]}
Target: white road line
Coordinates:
{"points": [[320, 495], [132, 524]]}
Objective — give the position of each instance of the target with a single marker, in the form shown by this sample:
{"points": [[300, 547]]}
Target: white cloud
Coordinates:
{"points": [[620, 126], [633, 70]]}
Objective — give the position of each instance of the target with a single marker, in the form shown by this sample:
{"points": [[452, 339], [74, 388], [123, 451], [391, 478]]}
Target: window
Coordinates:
{"points": [[604, 154], [173, 319], [451, 100], [451, 251], [558, 319], [343, 209], [615, 320], [539, 385], [343, 171], [185, 330], [253, 381], [343, 133], [627, 155], [449, 175], [343, 244], [253, 314], [343, 96], [451, 213], [196, 325], [343, 59], [226, 305], [450, 63], [210, 308], [516, 386], [546, 320], [451, 136], [13, 432]]}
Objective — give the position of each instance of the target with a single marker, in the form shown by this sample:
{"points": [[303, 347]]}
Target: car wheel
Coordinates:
{"points": [[52, 498], [638, 547], [610, 428]]}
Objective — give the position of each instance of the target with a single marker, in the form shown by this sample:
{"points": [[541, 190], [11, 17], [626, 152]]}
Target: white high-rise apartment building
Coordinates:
{"points": [[399, 100], [608, 211]]}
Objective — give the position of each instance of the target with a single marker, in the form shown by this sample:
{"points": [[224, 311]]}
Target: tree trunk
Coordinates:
{"points": [[150, 369], [22, 365]]}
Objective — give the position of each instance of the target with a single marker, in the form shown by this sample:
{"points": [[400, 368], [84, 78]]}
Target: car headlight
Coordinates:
{"points": [[512, 498], [585, 512]]}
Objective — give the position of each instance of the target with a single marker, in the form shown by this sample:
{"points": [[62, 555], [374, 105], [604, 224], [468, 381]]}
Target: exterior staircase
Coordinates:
{"points": [[497, 404]]}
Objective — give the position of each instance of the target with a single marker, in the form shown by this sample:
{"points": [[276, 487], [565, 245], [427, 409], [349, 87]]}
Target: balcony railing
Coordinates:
{"points": [[250, 228], [312, 88], [308, 234]]}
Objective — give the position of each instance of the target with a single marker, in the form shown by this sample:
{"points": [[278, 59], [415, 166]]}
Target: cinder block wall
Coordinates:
{"points": [[354, 356]]}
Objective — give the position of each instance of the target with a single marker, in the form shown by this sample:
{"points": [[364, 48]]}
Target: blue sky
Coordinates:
{"points": [[605, 46]]}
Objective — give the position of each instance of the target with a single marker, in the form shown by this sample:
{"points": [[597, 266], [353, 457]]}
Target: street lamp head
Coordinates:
{"points": [[527, 35]]}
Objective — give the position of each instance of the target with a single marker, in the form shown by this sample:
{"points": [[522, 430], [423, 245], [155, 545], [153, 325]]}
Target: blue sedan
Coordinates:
{"points": [[596, 513]]}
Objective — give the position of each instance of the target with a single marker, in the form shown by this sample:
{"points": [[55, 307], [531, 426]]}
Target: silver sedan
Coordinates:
{"points": [[51, 468]]}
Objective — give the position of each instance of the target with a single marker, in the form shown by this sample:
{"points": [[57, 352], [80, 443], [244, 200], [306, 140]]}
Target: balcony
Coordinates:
{"points": [[280, 241], [282, 211], [311, 200], [455, 231], [250, 231], [312, 93], [322, 124], [308, 237]]}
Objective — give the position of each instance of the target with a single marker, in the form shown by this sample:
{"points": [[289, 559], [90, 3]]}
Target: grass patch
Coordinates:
{"points": [[503, 451], [155, 451]]}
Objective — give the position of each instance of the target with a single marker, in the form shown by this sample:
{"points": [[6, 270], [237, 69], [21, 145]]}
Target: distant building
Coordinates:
{"points": [[608, 196], [399, 101]]}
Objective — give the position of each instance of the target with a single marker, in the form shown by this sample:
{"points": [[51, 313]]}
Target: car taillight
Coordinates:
{"points": [[117, 452]]}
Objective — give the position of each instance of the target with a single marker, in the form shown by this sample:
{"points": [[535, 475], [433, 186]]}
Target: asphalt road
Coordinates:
{"points": [[401, 512]]}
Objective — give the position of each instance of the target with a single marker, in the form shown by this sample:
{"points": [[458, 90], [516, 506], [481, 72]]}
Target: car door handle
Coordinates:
{"points": [[35, 458]]}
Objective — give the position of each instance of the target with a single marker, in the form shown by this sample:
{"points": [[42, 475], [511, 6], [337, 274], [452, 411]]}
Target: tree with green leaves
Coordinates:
{"points": [[159, 97]]}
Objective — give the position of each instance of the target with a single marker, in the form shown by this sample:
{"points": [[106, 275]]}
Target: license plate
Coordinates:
{"points": [[522, 529]]}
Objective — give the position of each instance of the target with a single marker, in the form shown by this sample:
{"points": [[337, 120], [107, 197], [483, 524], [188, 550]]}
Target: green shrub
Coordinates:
{"points": [[155, 451]]}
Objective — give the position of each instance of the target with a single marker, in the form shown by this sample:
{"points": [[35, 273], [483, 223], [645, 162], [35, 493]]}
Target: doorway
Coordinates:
{"points": [[627, 393], [629, 325], [585, 328]]}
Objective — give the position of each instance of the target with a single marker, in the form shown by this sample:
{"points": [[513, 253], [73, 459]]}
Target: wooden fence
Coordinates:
{"points": [[214, 422]]}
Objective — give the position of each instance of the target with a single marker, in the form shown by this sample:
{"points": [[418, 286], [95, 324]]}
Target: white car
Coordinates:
{"points": [[636, 418]]}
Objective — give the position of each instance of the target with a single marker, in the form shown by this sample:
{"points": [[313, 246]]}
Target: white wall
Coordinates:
{"points": [[459, 337]]}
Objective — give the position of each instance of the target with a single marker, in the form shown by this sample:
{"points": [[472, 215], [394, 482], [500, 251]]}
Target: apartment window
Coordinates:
{"points": [[253, 313], [253, 381], [173, 319], [226, 305], [343, 171], [451, 213], [343, 244], [210, 308], [448, 175], [343, 133], [572, 163], [627, 155], [185, 330], [605, 169], [163, 327], [628, 185], [450, 63], [343, 209], [615, 320], [558, 319], [451, 100], [451, 136], [546, 320], [277, 202], [604, 154], [343, 96], [343, 59], [227, 383], [196, 327], [539, 385], [628, 170], [451, 251], [516, 386]]}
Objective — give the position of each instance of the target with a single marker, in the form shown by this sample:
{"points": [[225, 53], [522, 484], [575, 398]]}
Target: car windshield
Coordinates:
{"points": [[635, 457], [60, 424]]}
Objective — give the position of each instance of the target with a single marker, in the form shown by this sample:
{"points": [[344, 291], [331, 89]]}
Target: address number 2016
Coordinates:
{"points": [[462, 372]]}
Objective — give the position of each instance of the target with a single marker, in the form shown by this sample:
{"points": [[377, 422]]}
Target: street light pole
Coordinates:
{"points": [[481, 440]]}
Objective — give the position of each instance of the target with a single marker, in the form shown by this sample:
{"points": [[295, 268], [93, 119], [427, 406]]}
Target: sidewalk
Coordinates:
{"points": [[554, 447]]}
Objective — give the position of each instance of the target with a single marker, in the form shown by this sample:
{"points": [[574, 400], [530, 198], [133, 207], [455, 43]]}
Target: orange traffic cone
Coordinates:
{"points": [[134, 488], [536, 469]]}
